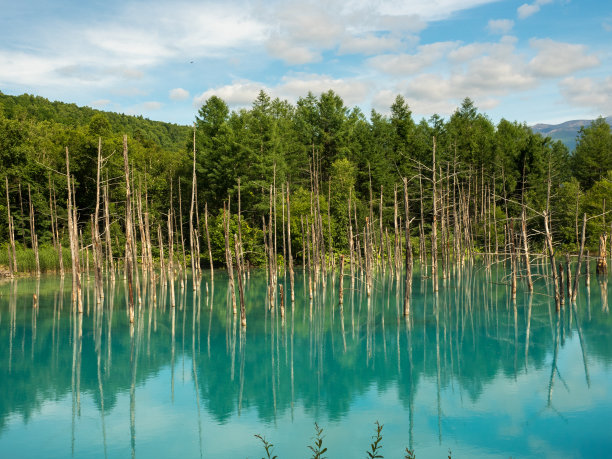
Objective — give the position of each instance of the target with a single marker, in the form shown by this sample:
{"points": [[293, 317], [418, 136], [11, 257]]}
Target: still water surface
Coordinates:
{"points": [[470, 371]]}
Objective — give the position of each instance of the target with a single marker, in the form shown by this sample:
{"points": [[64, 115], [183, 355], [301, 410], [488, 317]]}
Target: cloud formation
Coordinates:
{"points": [[592, 93], [178, 94], [500, 26], [556, 59], [527, 9], [367, 51], [243, 93]]}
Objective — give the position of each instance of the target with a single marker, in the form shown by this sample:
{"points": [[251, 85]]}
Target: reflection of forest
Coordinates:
{"points": [[319, 356]]}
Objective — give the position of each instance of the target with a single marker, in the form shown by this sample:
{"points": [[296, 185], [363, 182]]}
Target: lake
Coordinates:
{"points": [[470, 371]]}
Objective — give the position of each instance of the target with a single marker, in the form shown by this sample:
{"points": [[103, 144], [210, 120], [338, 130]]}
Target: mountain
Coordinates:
{"points": [[565, 132]]}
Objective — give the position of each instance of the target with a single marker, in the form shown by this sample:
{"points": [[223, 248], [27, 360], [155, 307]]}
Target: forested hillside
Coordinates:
{"points": [[328, 155]]}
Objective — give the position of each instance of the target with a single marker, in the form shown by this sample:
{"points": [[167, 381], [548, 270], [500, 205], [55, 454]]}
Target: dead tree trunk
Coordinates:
{"points": [[291, 275], [582, 241], [602, 263], [239, 268], [228, 257], [33, 238], [74, 243], [212, 270], [408, 286], [13, 259], [129, 238], [192, 244], [551, 254]]}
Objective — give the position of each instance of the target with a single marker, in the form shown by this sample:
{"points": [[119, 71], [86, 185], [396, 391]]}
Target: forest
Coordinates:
{"points": [[462, 186]]}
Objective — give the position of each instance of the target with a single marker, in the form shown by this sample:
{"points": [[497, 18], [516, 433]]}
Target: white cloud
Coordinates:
{"points": [[101, 103], [370, 44], [178, 94], [482, 71], [291, 52], [555, 59], [136, 38], [152, 105], [526, 9], [351, 90], [595, 94], [500, 26], [310, 23], [241, 93], [291, 87], [407, 64], [427, 9]]}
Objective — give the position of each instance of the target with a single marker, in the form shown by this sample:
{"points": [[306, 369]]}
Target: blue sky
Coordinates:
{"points": [[534, 61]]}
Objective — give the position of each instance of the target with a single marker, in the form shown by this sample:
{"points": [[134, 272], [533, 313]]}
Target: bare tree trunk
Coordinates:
{"points": [[33, 239], [228, 257], [602, 263], [162, 267], [97, 242], [341, 293], [291, 275], [184, 264], [241, 254], [109, 244], [551, 254], [434, 225], [582, 241], [74, 242], [171, 255], [129, 252], [52, 215], [408, 286], [60, 252], [526, 249], [212, 270], [191, 210], [13, 262], [240, 286]]}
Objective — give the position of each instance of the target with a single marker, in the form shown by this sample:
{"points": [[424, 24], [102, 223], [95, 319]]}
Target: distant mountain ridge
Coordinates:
{"points": [[565, 132]]}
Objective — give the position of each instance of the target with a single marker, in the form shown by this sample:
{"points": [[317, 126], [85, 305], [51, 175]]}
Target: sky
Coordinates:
{"points": [[537, 61]]}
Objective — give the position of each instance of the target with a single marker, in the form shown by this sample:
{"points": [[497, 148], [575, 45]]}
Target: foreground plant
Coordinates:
{"points": [[317, 449], [376, 446], [269, 447]]}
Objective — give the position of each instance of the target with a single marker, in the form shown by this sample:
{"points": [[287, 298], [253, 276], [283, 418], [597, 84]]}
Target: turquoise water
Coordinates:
{"points": [[470, 371]]}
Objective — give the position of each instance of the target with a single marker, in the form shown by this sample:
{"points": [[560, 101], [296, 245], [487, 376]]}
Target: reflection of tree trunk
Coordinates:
{"points": [[173, 350], [528, 331], [515, 339], [553, 368], [412, 394], [133, 362], [438, 369], [603, 288], [582, 346], [196, 386]]}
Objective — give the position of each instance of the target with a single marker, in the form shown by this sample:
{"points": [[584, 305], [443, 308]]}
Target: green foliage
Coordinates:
{"points": [[598, 203], [48, 258], [593, 156], [274, 143]]}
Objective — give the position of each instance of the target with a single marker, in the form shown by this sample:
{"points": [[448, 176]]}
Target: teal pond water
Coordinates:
{"points": [[470, 371]]}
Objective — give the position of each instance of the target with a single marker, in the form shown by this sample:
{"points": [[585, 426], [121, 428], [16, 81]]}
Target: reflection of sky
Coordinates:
{"points": [[508, 416]]}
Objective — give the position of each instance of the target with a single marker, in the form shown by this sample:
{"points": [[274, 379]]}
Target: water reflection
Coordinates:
{"points": [[320, 359]]}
